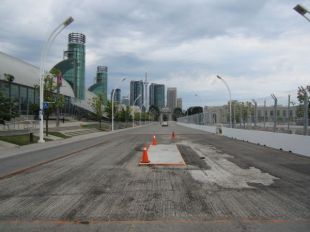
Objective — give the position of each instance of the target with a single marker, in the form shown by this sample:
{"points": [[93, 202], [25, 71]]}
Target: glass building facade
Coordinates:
{"points": [[101, 85], [136, 89], [117, 95], [27, 98], [157, 95], [73, 67]]}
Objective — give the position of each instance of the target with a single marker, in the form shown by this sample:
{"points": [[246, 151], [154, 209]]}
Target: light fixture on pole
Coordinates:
{"points": [[230, 121], [44, 52], [133, 116], [302, 11], [113, 92]]}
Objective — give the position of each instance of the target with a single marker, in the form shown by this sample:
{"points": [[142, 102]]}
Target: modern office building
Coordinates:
{"points": [[136, 89], [157, 95], [172, 98], [179, 103], [73, 65], [117, 95], [101, 85]]}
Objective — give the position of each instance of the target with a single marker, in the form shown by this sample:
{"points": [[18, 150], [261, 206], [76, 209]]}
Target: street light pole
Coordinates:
{"points": [[113, 92], [133, 116], [225, 83], [303, 11], [275, 117], [44, 52]]}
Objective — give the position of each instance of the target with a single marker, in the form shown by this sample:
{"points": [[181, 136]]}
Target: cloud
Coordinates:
{"points": [[259, 47]]}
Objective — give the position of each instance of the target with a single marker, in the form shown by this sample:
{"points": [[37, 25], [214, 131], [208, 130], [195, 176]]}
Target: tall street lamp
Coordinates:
{"points": [[230, 122], [302, 11], [133, 116], [113, 92], [44, 52]]}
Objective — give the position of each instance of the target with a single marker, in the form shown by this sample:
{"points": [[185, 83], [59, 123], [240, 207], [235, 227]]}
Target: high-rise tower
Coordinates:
{"points": [[76, 53], [136, 89], [172, 98], [101, 85]]}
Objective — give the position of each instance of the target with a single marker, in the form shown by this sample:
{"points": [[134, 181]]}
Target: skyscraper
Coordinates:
{"points": [[76, 52], [136, 89], [179, 103], [171, 98], [101, 85], [117, 95], [157, 95], [73, 65]]}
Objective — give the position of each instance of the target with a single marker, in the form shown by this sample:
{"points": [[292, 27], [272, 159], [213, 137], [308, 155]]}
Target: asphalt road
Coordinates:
{"points": [[97, 185]]}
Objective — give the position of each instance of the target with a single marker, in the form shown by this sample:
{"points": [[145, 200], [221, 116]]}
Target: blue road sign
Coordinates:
{"points": [[45, 105]]}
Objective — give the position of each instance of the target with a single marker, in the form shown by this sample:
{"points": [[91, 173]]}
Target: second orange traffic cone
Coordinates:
{"points": [[145, 157], [173, 135], [154, 141]]}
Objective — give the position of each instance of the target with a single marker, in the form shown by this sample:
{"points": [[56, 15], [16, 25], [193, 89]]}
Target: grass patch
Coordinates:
{"points": [[19, 139], [58, 134], [104, 127]]}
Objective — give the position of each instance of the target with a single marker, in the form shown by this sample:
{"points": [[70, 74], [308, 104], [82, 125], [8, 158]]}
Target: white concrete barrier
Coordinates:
{"points": [[211, 129], [298, 144]]}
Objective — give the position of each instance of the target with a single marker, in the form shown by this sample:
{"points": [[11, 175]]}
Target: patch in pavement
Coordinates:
{"points": [[191, 157], [165, 155], [225, 173]]}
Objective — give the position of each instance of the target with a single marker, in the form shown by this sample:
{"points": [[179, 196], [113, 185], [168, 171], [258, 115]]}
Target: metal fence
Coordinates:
{"points": [[276, 113]]}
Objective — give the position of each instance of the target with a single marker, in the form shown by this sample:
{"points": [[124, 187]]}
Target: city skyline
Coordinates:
{"points": [[268, 47]]}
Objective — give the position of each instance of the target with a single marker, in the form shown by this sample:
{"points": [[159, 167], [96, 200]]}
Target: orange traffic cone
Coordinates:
{"points": [[154, 141], [145, 157], [173, 135]]}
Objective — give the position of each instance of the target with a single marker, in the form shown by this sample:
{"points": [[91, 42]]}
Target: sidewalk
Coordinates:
{"points": [[13, 151]]}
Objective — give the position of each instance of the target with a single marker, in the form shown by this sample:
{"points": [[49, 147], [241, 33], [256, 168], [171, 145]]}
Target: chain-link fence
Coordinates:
{"points": [[282, 113]]}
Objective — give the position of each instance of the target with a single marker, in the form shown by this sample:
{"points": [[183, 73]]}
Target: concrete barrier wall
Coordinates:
{"points": [[211, 129], [298, 144]]}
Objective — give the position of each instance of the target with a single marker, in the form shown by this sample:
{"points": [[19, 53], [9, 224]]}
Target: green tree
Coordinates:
{"points": [[59, 103], [177, 112], [154, 111], [97, 106], [194, 110], [301, 93], [49, 96], [7, 109], [9, 78]]}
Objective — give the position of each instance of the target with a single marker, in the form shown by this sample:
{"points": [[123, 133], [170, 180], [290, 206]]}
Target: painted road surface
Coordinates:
{"points": [[97, 185]]}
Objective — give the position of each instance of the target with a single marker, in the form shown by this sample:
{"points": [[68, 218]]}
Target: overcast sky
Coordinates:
{"points": [[258, 46]]}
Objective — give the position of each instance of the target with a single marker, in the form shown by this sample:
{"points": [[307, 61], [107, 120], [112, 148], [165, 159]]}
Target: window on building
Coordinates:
{"points": [[271, 112], [4, 88], [23, 99], [284, 113]]}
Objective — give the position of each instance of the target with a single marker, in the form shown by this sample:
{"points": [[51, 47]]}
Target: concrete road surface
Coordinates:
{"points": [[96, 185]]}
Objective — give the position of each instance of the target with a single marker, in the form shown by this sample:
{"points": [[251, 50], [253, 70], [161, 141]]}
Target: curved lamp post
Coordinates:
{"points": [[44, 52], [113, 92], [133, 116], [302, 11], [225, 83]]}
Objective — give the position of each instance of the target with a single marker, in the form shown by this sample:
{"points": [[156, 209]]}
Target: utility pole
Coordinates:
{"points": [[264, 113], [275, 116], [288, 112], [145, 93], [306, 102]]}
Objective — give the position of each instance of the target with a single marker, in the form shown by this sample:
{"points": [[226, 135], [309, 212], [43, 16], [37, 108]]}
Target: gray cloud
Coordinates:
{"points": [[181, 43]]}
